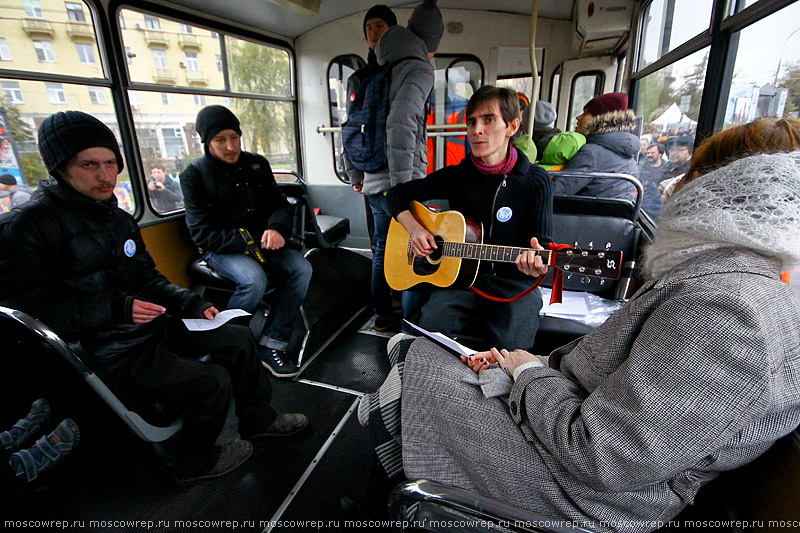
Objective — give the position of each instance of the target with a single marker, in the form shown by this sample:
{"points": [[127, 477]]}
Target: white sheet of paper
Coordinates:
{"points": [[443, 339], [572, 304], [201, 324]]}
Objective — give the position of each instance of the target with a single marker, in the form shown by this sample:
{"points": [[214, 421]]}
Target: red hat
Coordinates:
{"points": [[607, 103]]}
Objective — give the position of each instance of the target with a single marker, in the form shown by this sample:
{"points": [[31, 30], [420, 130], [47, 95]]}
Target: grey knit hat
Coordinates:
{"points": [[544, 116], [66, 133]]}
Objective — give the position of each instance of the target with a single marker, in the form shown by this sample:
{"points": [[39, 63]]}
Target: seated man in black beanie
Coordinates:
{"points": [[72, 259], [228, 189]]}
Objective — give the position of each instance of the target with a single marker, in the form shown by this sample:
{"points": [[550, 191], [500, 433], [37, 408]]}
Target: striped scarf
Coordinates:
{"points": [[503, 167]]}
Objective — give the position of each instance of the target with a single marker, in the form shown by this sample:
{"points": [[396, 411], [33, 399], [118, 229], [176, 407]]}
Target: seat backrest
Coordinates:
{"points": [[307, 226], [589, 223], [72, 355]]}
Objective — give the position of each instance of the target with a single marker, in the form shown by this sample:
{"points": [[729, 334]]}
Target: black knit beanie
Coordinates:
{"points": [[379, 11], [66, 133], [213, 119], [8, 179]]}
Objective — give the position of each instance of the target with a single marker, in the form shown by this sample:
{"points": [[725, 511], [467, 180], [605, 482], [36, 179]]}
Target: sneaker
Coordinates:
{"points": [[24, 431], [47, 452], [231, 457], [284, 425], [275, 361]]}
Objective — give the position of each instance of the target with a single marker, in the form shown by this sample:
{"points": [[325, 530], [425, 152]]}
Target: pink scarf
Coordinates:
{"points": [[503, 167]]}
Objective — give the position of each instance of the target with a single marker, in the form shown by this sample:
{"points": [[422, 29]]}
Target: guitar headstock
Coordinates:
{"points": [[605, 264]]}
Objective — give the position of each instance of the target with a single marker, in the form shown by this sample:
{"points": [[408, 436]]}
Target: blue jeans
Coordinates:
{"points": [[381, 292], [285, 267]]}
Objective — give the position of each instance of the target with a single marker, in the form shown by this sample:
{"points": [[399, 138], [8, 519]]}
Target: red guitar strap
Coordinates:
{"points": [[558, 282]]}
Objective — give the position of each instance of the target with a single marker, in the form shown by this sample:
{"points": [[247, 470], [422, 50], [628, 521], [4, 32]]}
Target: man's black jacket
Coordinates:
{"points": [[219, 198], [77, 265]]}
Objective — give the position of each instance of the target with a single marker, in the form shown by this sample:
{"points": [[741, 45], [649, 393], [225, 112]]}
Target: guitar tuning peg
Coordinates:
{"points": [[591, 245], [585, 279], [608, 246], [602, 282], [575, 244], [569, 276]]}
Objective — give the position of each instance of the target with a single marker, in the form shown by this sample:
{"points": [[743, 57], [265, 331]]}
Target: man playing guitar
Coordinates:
{"points": [[497, 186]]}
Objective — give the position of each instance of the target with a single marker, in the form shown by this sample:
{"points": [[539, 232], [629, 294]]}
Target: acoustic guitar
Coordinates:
{"points": [[460, 250]]}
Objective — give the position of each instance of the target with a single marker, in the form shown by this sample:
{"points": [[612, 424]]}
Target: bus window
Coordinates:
{"points": [[181, 68], [757, 90], [667, 24], [669, 101], [339, 72], [584, 87], [520, 84], [27, 45], [457, 77]]}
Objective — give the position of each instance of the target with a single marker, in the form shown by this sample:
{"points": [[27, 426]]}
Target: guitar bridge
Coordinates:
{"points": [[409, 254]]}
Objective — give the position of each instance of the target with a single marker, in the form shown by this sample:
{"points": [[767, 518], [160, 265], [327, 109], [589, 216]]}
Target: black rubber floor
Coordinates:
{"points": [[115, 501], [354, 361]]}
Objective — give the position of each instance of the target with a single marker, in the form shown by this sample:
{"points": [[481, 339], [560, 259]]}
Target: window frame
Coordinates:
{"points": [[58, 91], [339, 60], [721, 40], [88, 51], [5, 51], [35, 7], [73, 11], [12, 94], [46, 47], [218, 30], [600, 81]]}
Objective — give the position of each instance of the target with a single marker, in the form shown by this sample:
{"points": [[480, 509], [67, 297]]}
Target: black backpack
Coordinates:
{"points": [[364, 133]]}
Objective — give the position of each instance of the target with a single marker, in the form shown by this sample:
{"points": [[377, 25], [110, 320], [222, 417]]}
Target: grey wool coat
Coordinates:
{"points": [[697, 374]]}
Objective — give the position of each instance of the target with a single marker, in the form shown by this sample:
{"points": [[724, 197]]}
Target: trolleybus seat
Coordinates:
{"points": [[761, 495], [313, 230], [592, 223], [434, 506], [146, 421]]}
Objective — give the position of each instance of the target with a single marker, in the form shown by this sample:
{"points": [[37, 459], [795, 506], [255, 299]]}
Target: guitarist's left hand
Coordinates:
{"points": [[531, 263]]}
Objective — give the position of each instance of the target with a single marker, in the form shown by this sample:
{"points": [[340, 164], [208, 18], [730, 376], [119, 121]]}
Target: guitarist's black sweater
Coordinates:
{"points": [[526, 191]]}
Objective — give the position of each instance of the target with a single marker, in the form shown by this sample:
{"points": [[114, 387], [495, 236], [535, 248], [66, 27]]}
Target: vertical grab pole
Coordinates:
{"points": [[534, 69]]}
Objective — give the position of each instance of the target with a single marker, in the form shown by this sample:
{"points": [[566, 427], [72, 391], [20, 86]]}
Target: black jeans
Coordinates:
{"points": [[169, 372]]}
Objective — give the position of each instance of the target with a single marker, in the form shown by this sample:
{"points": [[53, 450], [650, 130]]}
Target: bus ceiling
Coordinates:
{"points": [[293, 18]]}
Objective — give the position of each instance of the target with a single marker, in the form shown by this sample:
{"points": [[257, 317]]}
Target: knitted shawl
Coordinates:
{"points": [[751, 203]]}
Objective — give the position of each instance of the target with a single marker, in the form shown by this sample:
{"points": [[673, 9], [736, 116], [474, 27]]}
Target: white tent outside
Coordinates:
{"points": [[674, 117]]}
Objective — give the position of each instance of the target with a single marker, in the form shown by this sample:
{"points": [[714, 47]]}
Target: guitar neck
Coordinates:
{"points": [[489, 252]]}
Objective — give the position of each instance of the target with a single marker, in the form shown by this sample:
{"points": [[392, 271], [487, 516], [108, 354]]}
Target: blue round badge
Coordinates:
{"points": [[130, 248], [504, 214]]}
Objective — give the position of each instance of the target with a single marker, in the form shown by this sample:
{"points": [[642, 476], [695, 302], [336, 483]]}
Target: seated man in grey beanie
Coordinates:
{"points": [[71, 258], [544, 118], [228, 189]]}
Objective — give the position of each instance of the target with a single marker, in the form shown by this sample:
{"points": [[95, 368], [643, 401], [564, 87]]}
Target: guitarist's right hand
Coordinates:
{"points": [[422, 243]]}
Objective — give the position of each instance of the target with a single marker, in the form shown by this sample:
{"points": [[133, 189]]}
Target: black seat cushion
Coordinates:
{"points": [[334, 229]]}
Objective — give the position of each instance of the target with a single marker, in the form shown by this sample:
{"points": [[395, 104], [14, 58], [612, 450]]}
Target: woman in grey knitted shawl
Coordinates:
{"points": [[698, 373]]}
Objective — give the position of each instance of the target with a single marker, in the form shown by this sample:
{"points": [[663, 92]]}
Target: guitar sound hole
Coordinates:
{"points": [[437, 253]]}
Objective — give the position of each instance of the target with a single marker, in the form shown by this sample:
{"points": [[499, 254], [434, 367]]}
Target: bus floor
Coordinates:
{"points": [[289, 484]]}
